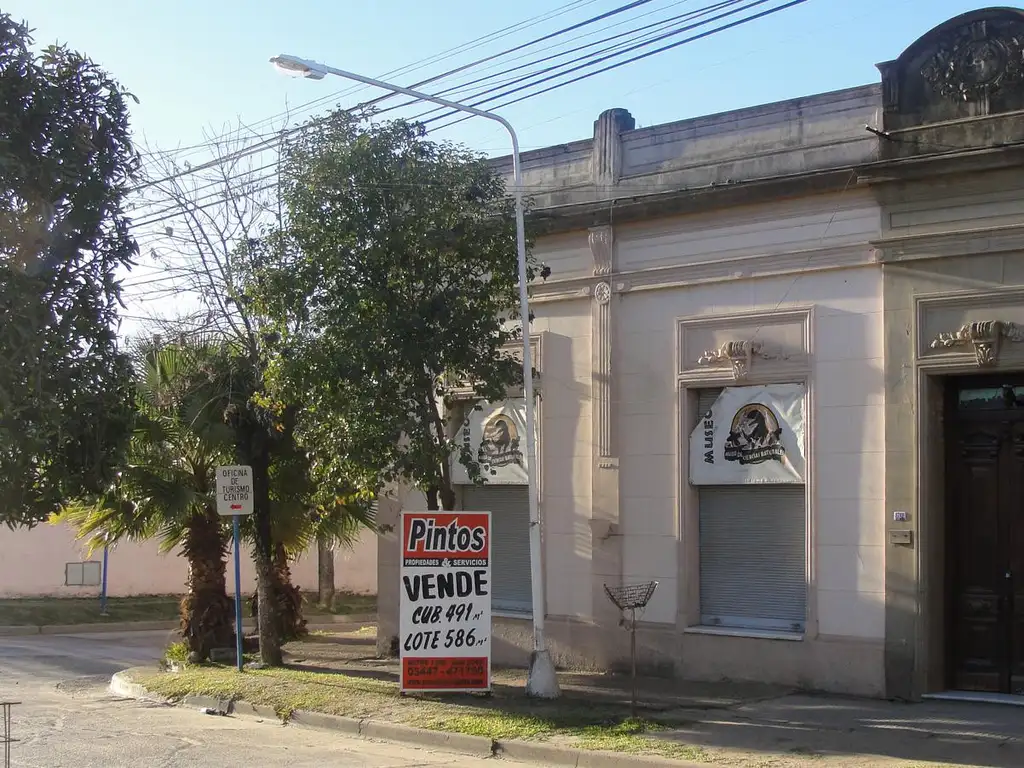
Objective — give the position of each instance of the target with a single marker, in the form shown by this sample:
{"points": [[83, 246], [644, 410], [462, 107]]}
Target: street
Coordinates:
{"points": [[68, 718]]}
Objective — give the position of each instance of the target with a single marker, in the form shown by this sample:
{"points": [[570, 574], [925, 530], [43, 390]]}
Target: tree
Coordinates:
{"points": [[222, 213], [165, 488], [399, 275], [66, 160], [215, 212]]}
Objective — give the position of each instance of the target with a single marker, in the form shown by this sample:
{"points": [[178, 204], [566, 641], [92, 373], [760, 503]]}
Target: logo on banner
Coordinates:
{"points": [[754, 436], [500, 444]]}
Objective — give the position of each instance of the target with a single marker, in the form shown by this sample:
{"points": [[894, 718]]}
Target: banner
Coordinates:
{"points": [[445, 607], [751, 435], [496, 437]]}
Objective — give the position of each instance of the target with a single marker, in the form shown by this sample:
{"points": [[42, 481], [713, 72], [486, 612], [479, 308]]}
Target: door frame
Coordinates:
{"points": [[952, 384]]}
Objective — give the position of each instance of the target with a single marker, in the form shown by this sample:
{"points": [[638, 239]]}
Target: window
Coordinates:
{"points": [[509, 506], [85, 574], [752, 552]]}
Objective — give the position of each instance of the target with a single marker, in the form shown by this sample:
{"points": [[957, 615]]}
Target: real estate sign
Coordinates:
{"points": [[445, 619]]}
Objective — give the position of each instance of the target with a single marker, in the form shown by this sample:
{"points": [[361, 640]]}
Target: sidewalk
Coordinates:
{"points": [[757, 726]]}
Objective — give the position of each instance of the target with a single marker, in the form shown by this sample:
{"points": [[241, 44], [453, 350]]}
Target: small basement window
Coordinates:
{"points": [[87, 574]]}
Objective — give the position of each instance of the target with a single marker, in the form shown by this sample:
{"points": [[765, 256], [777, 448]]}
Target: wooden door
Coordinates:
{"points": [[985, 542]]}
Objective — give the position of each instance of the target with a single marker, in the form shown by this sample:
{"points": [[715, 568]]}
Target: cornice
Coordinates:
{"points": [[964, 242], [695, 273]]}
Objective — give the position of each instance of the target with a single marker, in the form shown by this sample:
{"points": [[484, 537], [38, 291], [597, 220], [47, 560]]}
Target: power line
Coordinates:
{"points": [[422, 63], [484, 78], [594, 57], [616, 65], [587, 61], [204, 203], [276, 138]]}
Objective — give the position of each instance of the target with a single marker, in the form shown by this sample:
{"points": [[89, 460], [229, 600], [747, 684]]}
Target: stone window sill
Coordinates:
{"points": [[760, 634]]}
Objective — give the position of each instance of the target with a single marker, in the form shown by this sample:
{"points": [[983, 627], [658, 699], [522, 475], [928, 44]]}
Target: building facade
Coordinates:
{"points": [[779, 372]]}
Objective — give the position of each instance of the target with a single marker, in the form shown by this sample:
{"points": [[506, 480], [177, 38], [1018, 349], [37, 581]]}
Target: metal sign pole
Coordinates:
{"points": [[238, 593], [234, 499]]}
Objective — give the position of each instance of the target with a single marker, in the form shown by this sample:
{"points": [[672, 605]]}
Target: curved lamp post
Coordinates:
{"points": [[542, 681]]}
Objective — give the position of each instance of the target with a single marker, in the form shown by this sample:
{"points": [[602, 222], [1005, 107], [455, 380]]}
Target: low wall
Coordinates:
{"points": [[32, 565]]}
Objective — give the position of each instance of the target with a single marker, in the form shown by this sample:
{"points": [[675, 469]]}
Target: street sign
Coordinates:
{"points": [[445, 609], [234, 499], [234, 490]]}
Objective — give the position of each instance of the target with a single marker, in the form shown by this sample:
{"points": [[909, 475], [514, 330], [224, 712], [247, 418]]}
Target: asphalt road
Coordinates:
{"points": [[68, 719]]}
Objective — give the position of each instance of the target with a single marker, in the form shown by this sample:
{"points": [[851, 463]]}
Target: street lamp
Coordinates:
{"points": [[542, 681]]}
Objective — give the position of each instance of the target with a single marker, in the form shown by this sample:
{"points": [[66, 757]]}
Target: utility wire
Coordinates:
{"points": [[275, 139], [279, 136], [658, 24], [594, 57], [618, 64], [420, 64]]}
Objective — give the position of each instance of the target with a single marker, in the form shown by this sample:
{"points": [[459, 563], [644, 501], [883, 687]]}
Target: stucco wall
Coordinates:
{"points": [[32, 564], [566, 417]]}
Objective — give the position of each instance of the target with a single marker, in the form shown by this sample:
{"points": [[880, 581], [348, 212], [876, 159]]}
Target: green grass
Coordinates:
{"points": [[574, 723], [86, 610], [345, 604]]}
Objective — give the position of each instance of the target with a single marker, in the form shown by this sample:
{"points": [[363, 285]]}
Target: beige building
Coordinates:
{"points": [[850, 266]]}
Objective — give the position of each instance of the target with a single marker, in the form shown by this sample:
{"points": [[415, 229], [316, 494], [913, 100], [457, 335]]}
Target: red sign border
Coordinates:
{"points": [[409, 515]]}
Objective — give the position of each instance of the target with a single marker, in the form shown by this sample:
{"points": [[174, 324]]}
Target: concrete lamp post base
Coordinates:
{"points": [[542, 682]]}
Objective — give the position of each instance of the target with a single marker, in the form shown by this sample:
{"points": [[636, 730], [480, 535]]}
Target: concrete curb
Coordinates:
{"points": [[121, 686], [18, 631], [119, 626], [481, 746], [322, 623]]}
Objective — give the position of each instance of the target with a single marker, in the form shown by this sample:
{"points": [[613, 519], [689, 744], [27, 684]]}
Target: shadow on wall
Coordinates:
{"points": [[566, 455]]}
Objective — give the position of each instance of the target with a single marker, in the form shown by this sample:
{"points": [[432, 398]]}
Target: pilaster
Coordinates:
{"points": [[607, 160], [606, 541]]}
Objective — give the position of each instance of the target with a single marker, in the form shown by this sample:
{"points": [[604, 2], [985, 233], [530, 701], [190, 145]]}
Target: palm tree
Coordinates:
{"points": [[166, 488], [307, 506]]}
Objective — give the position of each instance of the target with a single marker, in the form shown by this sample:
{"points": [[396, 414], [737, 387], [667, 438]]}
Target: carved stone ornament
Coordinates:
{"points": [[738, 354], [602, 293], [984, 336], [970, 64]]}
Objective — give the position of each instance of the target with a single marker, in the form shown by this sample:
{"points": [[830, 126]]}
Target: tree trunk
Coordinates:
{"points": [[447, 494], [431, 495], [291, 625], [325, 574], [206, 611], [263, 555]]}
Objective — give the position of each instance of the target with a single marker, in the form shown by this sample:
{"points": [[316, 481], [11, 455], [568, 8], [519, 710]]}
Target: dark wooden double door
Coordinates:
{"points": [[985, 534]]}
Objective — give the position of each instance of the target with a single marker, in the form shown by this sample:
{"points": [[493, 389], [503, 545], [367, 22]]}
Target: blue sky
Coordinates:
{"points": [[201, 64]]}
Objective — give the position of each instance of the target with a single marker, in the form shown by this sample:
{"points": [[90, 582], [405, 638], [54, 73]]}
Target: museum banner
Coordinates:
{"points": [[751, 435], [495, 436]]}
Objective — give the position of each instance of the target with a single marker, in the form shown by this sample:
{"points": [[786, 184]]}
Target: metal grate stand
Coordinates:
{"points": [[630, 598], [5, 735]]}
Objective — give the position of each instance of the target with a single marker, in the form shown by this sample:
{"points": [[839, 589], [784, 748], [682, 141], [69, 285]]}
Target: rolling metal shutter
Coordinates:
{"points": [[752, 552], [509, 506]]}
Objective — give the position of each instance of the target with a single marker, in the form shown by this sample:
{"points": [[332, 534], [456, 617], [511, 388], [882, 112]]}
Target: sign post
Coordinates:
{"points": [[234, 499], [445, 619]]}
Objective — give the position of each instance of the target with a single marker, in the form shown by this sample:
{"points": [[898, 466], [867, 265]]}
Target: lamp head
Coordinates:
{"points": [[296, 67]]}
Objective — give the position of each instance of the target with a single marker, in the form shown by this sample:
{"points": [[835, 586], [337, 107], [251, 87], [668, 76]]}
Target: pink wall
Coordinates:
{"points": [[32, 564]]}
